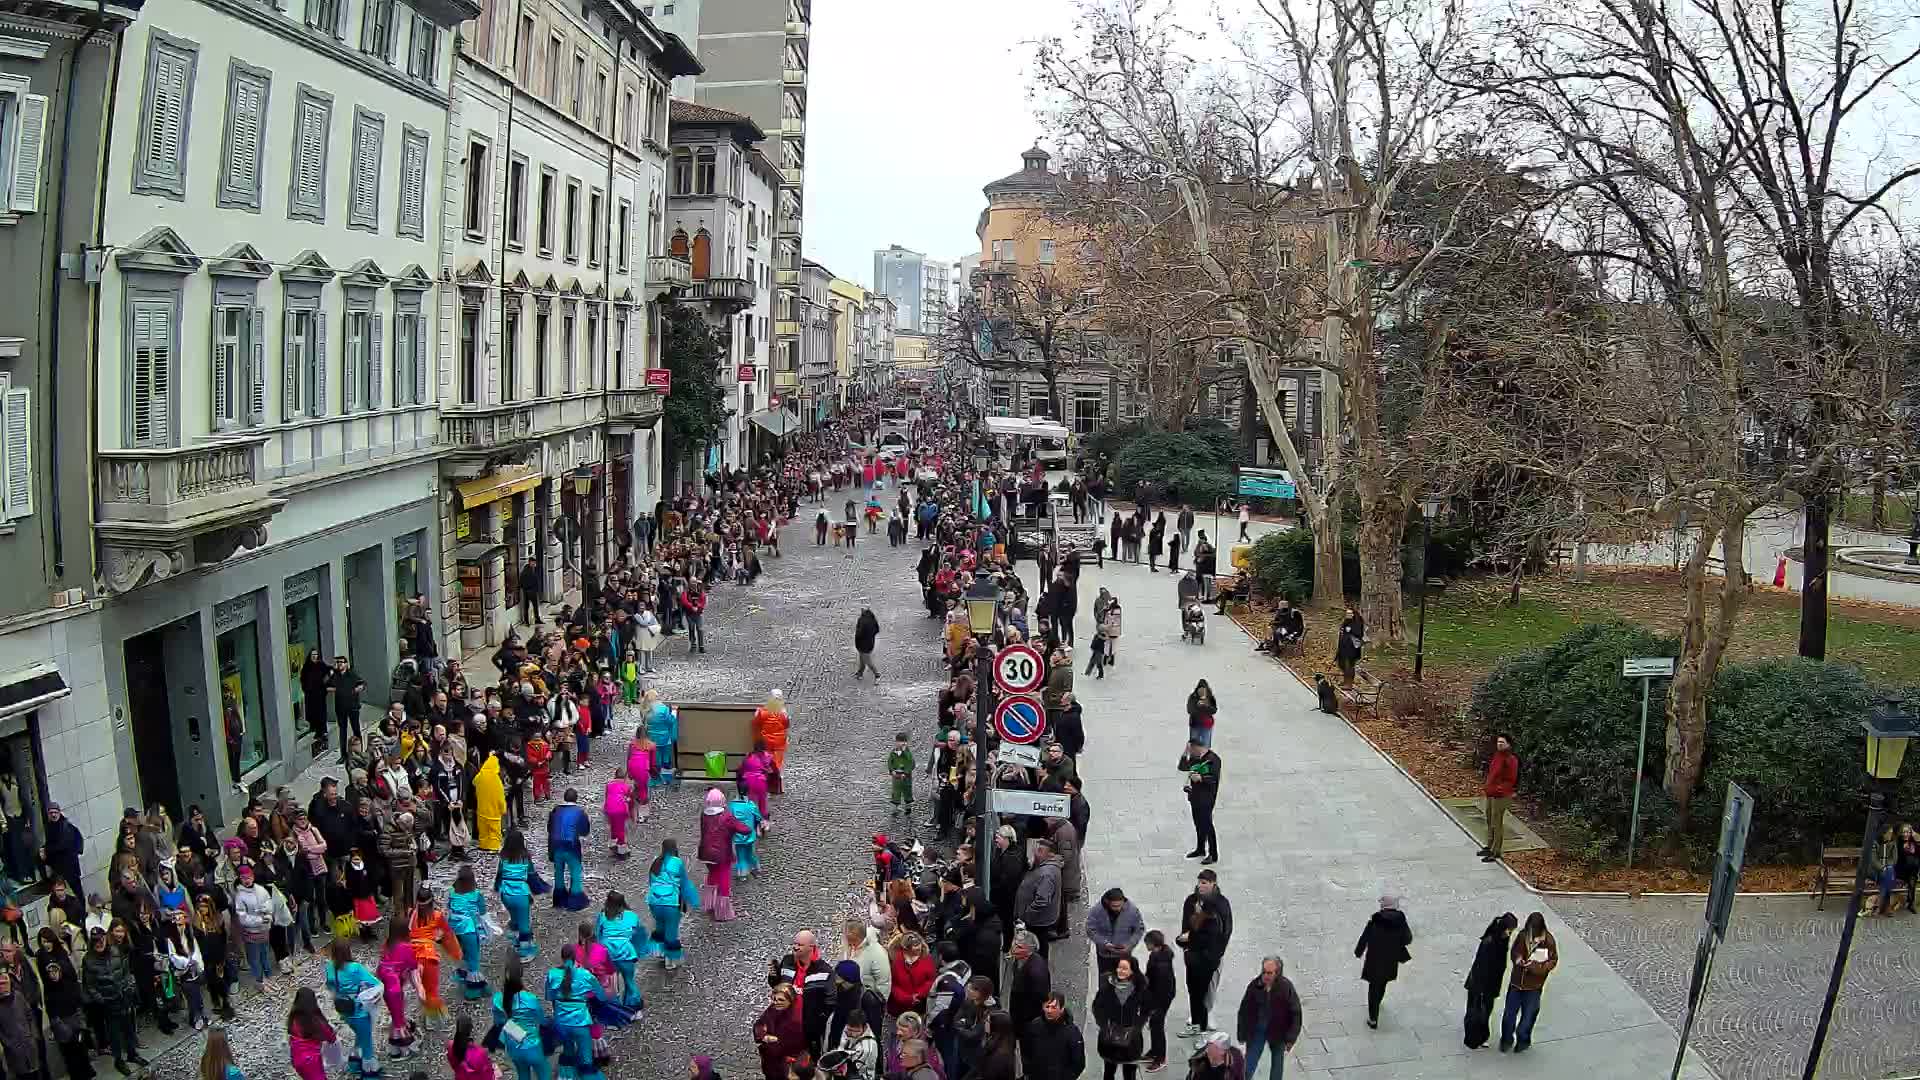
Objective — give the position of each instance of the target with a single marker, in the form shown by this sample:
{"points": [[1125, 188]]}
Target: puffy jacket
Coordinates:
{"points": [[1038, 901], [1114, 935], [253, 909], [912, 982], [107, 978]]}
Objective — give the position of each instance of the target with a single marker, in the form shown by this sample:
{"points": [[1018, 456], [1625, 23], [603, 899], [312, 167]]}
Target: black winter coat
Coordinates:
{"points": [[1383, 946], [1489, 969], [1121, 1022], [1053, 1051], [1162, 989]]}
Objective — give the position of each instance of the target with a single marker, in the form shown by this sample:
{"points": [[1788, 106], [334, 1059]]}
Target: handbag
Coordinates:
{"points": [[536, 884], [333, 1055], [611, 1014]]}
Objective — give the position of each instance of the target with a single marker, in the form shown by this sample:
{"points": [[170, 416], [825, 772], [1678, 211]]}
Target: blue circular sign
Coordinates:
{"points": [[1020, 718]]}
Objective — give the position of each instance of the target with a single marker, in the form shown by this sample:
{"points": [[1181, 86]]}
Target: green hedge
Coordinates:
{"points": [[1179, 464], [1788, 731]]}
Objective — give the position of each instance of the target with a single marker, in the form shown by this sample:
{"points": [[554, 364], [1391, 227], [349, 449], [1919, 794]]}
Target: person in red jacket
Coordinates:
{"points": [[693, 606], [1503, 776], [913, 975]]}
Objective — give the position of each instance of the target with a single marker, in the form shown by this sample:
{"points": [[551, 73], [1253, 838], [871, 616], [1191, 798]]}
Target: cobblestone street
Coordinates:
{"points": [[793, 630], [1769, 978]]}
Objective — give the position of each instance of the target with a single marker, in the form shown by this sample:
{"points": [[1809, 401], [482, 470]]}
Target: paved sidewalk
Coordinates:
{"points": [[1769, 978], [1314, 826]]}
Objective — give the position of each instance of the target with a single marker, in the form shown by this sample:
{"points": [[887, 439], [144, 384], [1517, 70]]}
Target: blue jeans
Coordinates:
{"points": [[529, 1063], [579, 1041], [1524, 1005], [1204, 736], [1257, 1046], [1886, 880], [259, 960], [566, 864], [666, 928], [364, 1051]]}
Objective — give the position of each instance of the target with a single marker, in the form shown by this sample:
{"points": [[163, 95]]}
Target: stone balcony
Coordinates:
{"points": [[640, 407], [729, 293], [488, 429], [164, 512], [667, 273]]}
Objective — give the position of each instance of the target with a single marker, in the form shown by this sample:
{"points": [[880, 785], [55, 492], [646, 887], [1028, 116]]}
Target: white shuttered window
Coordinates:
{"points": [[369, 141], [160, 162], [16, 450], [307, 185], [152, 343]]}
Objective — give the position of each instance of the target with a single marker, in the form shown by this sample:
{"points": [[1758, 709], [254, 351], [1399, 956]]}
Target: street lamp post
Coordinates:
{"points": [[983, 602], [1430, 508], [1888, 727]]}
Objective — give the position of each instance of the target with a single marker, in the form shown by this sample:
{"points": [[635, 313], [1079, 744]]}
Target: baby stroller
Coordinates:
{"points": [[1193, 614]]}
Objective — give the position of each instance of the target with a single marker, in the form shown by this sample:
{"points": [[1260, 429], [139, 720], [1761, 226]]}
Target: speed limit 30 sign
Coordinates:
{"points": [[1017, 669]]}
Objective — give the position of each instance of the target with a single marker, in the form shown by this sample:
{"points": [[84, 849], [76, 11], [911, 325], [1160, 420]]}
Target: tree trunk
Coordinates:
{"points": [[1381, 600], [1816, 554], [1877, 516], [1713, 608], [1329, 578]]}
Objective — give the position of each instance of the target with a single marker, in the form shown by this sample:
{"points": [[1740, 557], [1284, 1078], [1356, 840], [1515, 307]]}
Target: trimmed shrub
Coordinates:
{"points": [[1185, 463], [1282, 564], [1575, 721]]}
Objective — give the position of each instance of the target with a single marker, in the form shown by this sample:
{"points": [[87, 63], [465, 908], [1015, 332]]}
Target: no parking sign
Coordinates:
{"points": [[1020, 718]]}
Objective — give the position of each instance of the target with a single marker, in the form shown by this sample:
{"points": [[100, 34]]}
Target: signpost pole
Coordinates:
{"points": [[1639, 767], [982, 771]]}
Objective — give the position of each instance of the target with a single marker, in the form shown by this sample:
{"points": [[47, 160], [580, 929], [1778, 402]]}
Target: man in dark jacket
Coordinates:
{"points": [[810, 974], [1051, 1048], [347, 687], [1009, 867], [530, 592], [1031, 981], [63, 847], [1269, 1018], [1202, 768], [849, 995]]}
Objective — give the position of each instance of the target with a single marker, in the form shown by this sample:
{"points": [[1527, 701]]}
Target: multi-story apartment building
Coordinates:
{"points": [[919, 287], [266, 401], [816, 315], [58, 734], [876, 366], [720, 218], [755, 54], [850, 334], [553, 250]]}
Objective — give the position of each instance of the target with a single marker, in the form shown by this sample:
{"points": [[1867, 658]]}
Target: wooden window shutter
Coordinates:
{"points": [[18, 424], [28, 153], [257, 369]]}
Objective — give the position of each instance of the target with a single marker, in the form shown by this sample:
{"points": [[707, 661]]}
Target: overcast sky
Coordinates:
{"points": [[912, 106]]}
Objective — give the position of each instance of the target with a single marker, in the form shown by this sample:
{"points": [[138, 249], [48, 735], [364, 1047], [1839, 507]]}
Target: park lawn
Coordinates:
{"points": [[1471, 627]]}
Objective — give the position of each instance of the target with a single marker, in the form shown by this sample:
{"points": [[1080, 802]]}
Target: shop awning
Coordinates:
{"points": [[479, 551], [778, 422], [497, 485], [30, 688]]}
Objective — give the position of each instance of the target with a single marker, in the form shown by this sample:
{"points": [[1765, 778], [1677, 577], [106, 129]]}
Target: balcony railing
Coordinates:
{"points": [[790, 178], [642, 405], [786, 328], [786, 277], [796, 28], [794, 76], [500, 426], [666, 273], [789, 227], [726, 290], [160, 487]]}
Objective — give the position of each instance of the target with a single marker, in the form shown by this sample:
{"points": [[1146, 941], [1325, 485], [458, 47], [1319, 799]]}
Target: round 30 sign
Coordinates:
{"points": [[1018, 669], [1020, 718]]}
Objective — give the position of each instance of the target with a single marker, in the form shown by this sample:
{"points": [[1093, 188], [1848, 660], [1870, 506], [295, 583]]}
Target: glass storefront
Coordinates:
{"points": [[406, 579], [22, 803], [303, 637], [241, 716]]}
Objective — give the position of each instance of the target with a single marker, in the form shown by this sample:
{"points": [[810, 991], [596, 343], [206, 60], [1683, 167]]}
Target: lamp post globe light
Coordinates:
{"points": [[1430, 507], [1888, 727]]}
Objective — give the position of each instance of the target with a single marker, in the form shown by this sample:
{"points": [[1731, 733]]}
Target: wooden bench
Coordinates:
{"points": [[1365, 691], [1837, 864]]}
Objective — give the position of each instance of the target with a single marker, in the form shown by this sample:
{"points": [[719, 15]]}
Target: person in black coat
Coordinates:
{"points": [[1203, 936], [1156, 540], [1382, 949], [313, 698], [1269, 1018], [1353, 636], [1485, 978], [1032, 981], [977, 931], [1162, 991], [1009, 867], [1052, 1048], [866, 630], [1121, 1008], [62, 848]]}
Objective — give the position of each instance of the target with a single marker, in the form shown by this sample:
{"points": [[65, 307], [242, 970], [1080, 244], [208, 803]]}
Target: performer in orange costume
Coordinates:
{"points": [[429, 931], [770, 724]]}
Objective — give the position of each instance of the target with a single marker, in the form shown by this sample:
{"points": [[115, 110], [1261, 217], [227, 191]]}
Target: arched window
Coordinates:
{"points": [[703, 171], [679, 244], [702, 254], [682, 173]]}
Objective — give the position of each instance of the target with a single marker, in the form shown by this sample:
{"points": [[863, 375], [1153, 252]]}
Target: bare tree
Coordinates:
{"points": [[1703, 190], [1035, 320]]}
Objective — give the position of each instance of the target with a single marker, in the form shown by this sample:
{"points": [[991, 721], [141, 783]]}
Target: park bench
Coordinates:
{"points": [[1837, 864], [1365, 691]]}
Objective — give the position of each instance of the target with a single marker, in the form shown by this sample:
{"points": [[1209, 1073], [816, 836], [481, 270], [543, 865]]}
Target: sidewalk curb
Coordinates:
{"points": [[1522, 882]]}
